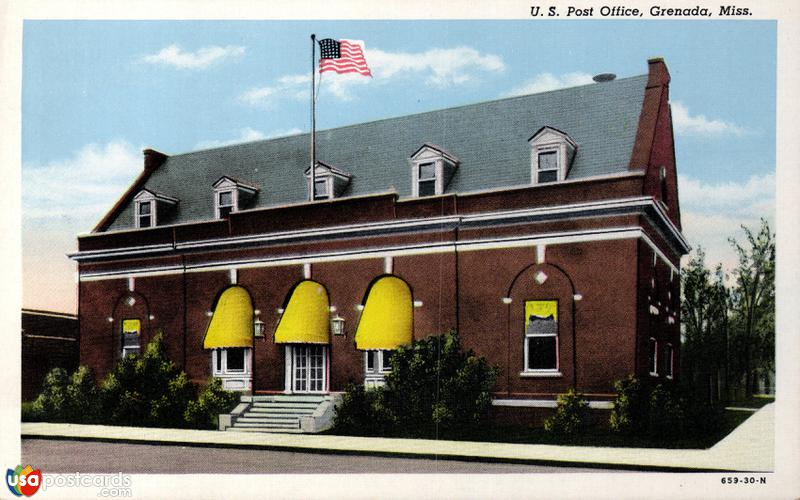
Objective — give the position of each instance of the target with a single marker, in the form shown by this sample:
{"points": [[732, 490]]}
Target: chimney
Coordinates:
{"points": [[153, 159], [658, 74]]}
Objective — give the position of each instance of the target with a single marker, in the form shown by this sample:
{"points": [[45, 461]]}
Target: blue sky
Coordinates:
{"points": [[96, 92]]}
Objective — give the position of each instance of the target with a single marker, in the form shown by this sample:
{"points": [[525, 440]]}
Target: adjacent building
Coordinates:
{"points": [[49, 340], [544, 228]]}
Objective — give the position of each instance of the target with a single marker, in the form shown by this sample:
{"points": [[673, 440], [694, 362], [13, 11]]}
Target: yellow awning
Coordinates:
{"points": [[387, 320], [306, 318], [232, 323]]}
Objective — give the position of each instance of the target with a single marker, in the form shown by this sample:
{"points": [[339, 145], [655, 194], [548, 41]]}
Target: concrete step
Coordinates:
{"points": [[268, 418], [262, 409], [287, 404], [264, 425], [268, 430], [295, 398]]}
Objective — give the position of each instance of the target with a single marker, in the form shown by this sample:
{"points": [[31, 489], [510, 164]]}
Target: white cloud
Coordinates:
{"points": [[685, 123], [291, 86], [548, 81], [83, 186], [247, 134], [441, 68], [200, 59], [712, 213]]}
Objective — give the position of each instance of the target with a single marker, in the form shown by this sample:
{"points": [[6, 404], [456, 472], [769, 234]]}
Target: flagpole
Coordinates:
{"points": [[313, 120]]}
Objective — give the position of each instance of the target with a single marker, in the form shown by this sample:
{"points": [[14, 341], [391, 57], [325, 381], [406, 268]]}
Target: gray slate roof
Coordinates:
{"points": [[489, 138]]}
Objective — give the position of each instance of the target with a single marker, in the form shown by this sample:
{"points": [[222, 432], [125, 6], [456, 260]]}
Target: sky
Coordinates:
{"points": [[95, 93]]}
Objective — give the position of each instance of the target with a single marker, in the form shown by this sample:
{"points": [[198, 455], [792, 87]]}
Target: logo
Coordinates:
{"points": [[23, 480]]}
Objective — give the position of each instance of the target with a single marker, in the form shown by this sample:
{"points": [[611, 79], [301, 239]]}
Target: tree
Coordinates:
{"points": [[704, 314], [753, 305]]}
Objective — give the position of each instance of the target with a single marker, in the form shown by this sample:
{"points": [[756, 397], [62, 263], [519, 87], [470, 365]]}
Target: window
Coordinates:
{"points": [[321, 191], [231, 196], [131, 329], [552, 152], [653, 357], [225, 204], [541, 337], [432, 168], [378, 361], [426, 184], [144, 215], [231, 360], [547, 170], [329, 181], [151, 207], [667, 360]]}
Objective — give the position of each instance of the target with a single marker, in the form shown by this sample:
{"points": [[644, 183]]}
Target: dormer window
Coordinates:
{"points": [[329, 181], [552, 152], [231, 195], [426, 183], [144, 214], [151, 208], [224, 204], [432, 168]]}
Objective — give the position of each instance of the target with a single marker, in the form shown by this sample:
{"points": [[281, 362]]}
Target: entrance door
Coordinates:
{"points": [[308, 368]]}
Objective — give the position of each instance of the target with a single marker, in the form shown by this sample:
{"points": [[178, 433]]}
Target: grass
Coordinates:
{"points": [[600, 437], [756, 401]]}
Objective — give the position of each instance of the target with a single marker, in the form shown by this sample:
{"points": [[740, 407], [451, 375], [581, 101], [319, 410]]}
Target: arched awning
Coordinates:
{"points": [[232, 323], [306, 318], [388, 318]]}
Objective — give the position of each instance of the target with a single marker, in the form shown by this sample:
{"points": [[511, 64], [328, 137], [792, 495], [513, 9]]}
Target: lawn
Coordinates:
{"points": [[604, 437]]}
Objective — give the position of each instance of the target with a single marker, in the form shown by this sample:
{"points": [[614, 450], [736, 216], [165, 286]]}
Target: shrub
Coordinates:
{"points": [[29, 412], [667, 418], [570, 416], [67, 398], [361, 412], [147, 390], [203, 413], [434, 386], [631, 406]]}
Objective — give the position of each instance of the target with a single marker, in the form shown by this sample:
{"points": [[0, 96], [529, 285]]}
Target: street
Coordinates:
{"points": [[62, 456]]}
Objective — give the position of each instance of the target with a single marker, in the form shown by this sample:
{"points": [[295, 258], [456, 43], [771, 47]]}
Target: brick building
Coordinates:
{"points": [[49, 340], [544, 228]]}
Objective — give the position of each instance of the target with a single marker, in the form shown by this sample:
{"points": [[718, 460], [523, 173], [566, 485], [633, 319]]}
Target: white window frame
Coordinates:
{"points": [[670, 362], [232, 380], [554, 150], [131, 349], [437, 178], [218, 204], [376, 377], [549, 140], [151, 216], [328, 194], [219, 362], [441, 160], [336, 181], [540, 372], [653, 368]]}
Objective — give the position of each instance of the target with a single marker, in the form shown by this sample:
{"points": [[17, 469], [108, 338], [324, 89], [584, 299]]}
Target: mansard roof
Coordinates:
{"points": [[490, 140]]}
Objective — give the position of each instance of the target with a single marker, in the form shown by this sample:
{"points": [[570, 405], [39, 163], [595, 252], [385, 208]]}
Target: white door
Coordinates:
{"points": [[308, 368]]}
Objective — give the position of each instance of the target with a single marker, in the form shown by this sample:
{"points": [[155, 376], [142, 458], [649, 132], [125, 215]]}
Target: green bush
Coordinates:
{"points": [[570, 416], [67, 398], [29, 412], [666, 414], [147, 390], [203, 413], [631, 406], [434, 388], [360, 412]]}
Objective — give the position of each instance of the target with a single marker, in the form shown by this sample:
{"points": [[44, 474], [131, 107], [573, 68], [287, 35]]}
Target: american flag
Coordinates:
{"points": [[342, 56]]}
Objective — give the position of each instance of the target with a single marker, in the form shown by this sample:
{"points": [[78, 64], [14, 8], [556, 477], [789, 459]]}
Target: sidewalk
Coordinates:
{"points": [[748, 448]]}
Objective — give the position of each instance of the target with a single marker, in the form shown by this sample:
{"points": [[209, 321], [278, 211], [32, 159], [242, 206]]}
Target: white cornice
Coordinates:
{"points": [[433, 223]]}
